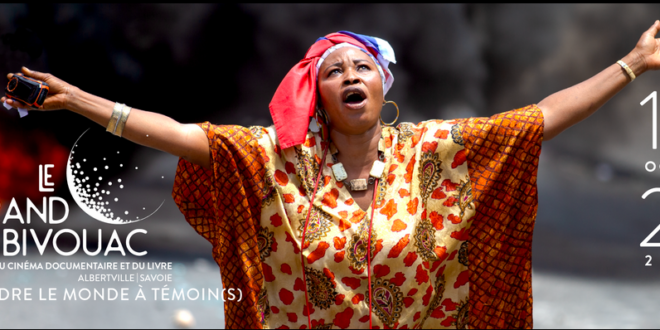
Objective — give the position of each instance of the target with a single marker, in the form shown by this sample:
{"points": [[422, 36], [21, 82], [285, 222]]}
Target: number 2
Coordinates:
{"points": [[648, 263]]}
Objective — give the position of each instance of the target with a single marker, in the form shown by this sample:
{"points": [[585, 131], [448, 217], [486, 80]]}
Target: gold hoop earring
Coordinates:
{"points": [[395, 119]]}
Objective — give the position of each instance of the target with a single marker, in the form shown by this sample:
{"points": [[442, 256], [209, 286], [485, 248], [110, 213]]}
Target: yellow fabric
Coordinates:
{"points": [[420, 252]]}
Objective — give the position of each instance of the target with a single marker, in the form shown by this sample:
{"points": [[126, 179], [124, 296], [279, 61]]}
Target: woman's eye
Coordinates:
{"points": [[334, 71], [363, 67]]}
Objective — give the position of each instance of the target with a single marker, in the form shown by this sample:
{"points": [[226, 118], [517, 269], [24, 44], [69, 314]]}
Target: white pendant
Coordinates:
{"points": [[377, 169], [339, 172], [314, 126], [358, 184]]}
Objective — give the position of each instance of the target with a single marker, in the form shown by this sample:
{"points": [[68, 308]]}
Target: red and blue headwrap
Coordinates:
{"points": [[294, 101]]}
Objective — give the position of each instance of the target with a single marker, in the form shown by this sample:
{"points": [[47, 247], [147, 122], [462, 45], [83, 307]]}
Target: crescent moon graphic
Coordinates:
{"points": [[85, 199]]}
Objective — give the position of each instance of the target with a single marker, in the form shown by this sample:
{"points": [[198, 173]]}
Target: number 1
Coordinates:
{"points": [[653, 96]]}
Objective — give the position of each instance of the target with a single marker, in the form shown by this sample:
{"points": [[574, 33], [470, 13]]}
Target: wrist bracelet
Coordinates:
{"points": [[125, 111], [114, 119], [625, 66]]}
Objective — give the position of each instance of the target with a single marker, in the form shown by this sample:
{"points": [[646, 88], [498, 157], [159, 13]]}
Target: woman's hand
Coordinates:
{"points": [[648, 48], [571, 105], [146, 128], [59, 95]]}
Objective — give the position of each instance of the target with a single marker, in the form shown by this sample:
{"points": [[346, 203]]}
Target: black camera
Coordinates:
{"points": [[27, 90]]}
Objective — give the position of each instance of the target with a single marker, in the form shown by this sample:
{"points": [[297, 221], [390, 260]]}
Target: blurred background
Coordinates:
{"points": [[453, 61]]}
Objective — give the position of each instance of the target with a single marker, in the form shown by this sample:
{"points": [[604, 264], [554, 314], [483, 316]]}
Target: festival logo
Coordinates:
{"points": [[96, 194]]}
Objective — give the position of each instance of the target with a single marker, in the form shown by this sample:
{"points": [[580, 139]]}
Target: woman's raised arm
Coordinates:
{"points": [[146, 128], [569, 106]]}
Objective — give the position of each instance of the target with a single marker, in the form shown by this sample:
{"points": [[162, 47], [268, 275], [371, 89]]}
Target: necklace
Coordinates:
{"points": [[339, 172], [381, 156]]}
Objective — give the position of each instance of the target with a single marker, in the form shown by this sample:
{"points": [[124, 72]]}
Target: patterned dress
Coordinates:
{"points": [[452, 227]]}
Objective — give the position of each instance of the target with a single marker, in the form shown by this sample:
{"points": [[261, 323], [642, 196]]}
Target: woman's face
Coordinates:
{"points": [[351, 90]]}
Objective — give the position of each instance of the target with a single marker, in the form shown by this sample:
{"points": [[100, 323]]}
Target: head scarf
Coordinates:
{"points": [[294, 101]]}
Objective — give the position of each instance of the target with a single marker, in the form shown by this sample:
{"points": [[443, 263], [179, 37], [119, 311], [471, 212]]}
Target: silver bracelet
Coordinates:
{"points": [[125, 111], [114, 119]]}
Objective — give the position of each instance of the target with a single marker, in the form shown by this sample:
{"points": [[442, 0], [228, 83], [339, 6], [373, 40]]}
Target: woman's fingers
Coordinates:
{"points": [[58, 95], [653, 30], [56, 98], [56, 85], [16, 104], [33, 74], [650, 47], [36, 75]]}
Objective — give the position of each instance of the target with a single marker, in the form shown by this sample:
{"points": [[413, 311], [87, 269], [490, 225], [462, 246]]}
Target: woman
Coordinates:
{"points": [[294, 210]]}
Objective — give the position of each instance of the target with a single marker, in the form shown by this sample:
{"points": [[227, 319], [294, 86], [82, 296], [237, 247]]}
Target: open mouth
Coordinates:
{"points": [[354, 97]]}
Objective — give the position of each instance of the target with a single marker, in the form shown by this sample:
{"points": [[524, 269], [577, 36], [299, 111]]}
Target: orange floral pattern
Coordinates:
{"points": [[445, 182]]}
